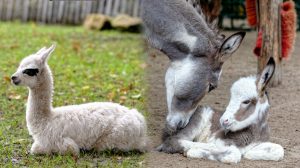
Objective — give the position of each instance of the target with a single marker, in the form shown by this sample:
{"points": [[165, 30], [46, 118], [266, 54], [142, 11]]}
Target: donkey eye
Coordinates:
{"points": [[31, 72], [246, 102]]}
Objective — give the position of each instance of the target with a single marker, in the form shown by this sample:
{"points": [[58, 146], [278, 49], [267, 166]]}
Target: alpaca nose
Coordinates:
{"points": [[13, 78]]}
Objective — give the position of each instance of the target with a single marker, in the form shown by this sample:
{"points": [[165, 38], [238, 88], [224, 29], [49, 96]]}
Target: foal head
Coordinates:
{"points": [[249, 102]]}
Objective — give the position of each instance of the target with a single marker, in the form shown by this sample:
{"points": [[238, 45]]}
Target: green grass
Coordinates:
{"points": [[87, 66]]}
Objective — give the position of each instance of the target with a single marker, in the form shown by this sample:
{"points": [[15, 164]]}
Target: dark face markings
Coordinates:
{"points": [[31, 72], [245, 112]]}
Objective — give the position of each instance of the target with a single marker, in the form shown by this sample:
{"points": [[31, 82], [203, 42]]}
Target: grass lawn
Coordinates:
{"points": [[87, 66]]}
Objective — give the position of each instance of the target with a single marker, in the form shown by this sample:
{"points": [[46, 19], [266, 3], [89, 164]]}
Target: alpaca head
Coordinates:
{"points": [[249, 102], [31, 67]]}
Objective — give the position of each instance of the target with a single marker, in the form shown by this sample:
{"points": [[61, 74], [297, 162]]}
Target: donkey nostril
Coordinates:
{"points": [[225, 121], [211, 87]]}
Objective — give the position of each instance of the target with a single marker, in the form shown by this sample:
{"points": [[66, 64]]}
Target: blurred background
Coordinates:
{"points": [[232, 13]]}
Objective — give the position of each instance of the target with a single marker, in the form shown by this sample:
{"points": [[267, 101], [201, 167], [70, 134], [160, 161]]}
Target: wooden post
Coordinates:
{"points": [[270, 25]]}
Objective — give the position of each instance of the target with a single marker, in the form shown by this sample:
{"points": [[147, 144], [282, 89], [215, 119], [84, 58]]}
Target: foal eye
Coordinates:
{"points": [[31, 72], [246, 102]]}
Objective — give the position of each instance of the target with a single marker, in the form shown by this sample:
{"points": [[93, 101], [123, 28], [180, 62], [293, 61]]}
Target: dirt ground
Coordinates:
{"points": [[284, 116]]}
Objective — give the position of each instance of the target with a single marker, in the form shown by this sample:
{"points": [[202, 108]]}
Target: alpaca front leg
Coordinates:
{"points": [[37, 148], [265, 151]]}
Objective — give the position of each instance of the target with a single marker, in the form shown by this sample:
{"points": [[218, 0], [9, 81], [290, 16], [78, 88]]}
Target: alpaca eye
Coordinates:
{"points": [[31, 72], [246, 102]]}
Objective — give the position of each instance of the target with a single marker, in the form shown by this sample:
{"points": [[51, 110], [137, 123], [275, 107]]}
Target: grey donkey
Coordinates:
{"points": [[196, 49]]}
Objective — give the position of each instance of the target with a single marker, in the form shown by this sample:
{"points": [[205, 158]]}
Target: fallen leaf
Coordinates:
{"points": [[76, 45], [143, 65], [85, 87], [20, 141], [123, 98], [136, 96], [13, 46], [6, 78], [111, 96], [16, 97], [113, 75]]}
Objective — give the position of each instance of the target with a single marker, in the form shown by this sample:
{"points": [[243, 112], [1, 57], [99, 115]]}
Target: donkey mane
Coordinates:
{"points": [[211, 22]]}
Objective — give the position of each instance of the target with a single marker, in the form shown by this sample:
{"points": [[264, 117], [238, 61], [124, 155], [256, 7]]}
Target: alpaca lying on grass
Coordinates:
{"points": [[242, 131], [99, 125]]}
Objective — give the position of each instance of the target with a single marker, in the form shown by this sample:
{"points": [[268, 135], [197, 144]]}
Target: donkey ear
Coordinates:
{"points": [[44, 54], [266, 75], [230, 45]]}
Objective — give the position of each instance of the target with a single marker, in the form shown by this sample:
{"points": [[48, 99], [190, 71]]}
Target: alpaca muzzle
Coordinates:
{"points": [[15, 80]]}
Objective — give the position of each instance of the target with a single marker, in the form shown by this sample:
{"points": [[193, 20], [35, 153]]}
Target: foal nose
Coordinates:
{"points": [[225, 123]]}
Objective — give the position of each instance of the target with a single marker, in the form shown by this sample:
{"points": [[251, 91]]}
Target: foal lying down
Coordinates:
{"points": [[242, 130]]}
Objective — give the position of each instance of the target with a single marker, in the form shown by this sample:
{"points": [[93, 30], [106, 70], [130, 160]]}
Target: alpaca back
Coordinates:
{"points": [[101, 125]]}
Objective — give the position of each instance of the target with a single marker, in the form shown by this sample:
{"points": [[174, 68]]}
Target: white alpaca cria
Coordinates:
{"points": [[242, 130], [99, 125]]}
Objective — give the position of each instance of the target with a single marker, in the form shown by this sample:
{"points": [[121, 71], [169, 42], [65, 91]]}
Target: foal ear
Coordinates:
{"points": [[230, 45], [44, 54], [266, 75]]}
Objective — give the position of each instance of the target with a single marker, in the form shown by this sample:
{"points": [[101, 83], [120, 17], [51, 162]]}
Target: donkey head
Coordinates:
{"points": [[196, 49], [190, 78], [249, 102]]}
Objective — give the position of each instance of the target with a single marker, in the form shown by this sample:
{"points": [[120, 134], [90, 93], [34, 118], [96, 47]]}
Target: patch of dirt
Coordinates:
{"points": [[284, 116]]}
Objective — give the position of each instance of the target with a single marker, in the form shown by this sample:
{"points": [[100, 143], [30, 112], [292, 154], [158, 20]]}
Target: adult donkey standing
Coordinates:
{"points": [[196, 49]]}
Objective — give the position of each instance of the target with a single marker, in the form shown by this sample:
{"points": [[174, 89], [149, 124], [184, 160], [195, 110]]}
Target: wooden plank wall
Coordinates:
{"points": [[64, 11]]}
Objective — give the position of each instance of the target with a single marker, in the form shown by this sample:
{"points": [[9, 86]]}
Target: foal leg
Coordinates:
{"points": [[265, 151], [211, 151]]}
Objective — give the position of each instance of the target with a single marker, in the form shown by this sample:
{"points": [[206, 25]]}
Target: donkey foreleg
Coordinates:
{"points": [[265, 151]]}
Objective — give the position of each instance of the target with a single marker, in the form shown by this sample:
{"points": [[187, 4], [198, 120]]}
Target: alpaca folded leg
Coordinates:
{"points": [[265, 151], [37, 148], [69, 147]]}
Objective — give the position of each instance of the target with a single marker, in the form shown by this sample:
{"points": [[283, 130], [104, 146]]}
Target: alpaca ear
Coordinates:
{"points": [[265, 76], [44, 54], [230, 45], [41, 50]]}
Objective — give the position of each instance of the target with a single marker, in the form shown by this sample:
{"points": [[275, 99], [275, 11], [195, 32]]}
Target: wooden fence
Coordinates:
{"points": [[64, 11]]}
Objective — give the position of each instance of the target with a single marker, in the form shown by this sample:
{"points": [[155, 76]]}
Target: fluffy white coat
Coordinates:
{"points": [[99, 125]]}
